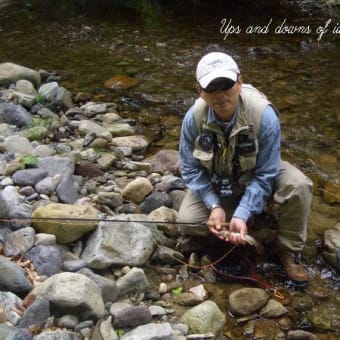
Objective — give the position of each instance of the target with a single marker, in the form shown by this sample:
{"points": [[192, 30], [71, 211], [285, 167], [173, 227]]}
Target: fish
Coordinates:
{"points": [[249, 239]]}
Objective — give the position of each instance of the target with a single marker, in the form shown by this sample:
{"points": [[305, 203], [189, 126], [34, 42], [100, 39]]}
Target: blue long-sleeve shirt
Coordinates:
{"points": [[266, 169]]}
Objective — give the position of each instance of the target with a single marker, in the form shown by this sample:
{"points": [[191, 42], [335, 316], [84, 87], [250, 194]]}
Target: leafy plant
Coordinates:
{"points": [[177, 290], [120, 332], [30, 161]]}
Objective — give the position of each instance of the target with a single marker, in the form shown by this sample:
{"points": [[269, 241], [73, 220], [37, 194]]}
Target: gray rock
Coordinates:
{"points": [[60, 289], [66, 190], [36, 314], [135, 281], [11, 333], [46, 259], [331, 251], [104, 330], [205, 317], [14, 115], [57, 335], [13, 278], [151, 331], [56, 165], [73, 265], [47, 185], [18, 144], [108, 287], [132, 317], [154, 201], [118, 243], [29, 176], [164, 161], [19, 242], [247, 300], [11, 73], [110, 199], [273, 309], [301, 335], [68, 321], [26, 87]]}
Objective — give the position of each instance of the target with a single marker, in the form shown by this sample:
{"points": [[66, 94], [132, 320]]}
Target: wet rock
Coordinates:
{"points": [[331, 192], [247, 300], [151, 330], [14, 115], [87, 127], [273, 309], [205, 317], [137, 190], [164, 161], [331, 247], [119, 129], [29, 176], [19, 242], [46, 259], [18, 144], [121, 82], [135, 281], [13, 278], [154, 201], [92, 109], [301, 335], [325, 316], [60, 288], [108, 287], [187, 299], [118, 243], [11, 73], [267, 329], [67, 229]]}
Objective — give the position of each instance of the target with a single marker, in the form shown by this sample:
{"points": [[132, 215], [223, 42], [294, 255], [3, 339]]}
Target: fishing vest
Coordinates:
{"points": [[233, 159]]}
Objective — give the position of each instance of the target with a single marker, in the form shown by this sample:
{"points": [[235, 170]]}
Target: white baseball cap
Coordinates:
{"points": [[216, 65]]}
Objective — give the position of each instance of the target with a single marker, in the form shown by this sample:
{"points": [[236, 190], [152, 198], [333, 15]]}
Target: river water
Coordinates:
{"points": [[289, 51]]}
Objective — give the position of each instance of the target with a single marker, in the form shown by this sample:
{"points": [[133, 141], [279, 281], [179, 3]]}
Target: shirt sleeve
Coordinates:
{"points": [[193, 173], [266, 169]]}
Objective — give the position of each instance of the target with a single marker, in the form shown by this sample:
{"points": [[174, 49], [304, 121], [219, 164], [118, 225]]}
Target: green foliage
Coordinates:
{"points": [[30, 161], [177, 290], [120, 332]]}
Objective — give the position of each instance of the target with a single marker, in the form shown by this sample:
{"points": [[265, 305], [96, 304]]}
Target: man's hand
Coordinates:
{"points": [[216, 221], [239, 228]]}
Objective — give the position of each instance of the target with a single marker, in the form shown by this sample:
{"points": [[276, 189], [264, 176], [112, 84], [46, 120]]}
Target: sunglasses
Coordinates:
{"points": [[222, 85]]}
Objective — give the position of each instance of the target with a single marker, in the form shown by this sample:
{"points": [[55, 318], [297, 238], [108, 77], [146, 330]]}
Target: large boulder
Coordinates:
{"points": [[204, 318], [118, 243], [60, 290], [67, 222], [10, 73]]}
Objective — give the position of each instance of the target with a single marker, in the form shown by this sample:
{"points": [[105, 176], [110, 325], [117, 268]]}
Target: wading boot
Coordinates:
{"points": [[294, 269]]}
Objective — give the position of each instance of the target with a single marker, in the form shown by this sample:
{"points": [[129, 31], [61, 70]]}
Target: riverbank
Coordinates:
{"points": [[88, 236]]}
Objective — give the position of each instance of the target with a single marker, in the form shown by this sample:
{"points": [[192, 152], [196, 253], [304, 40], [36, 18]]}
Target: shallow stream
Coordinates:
{"points": [[280, 48]]}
